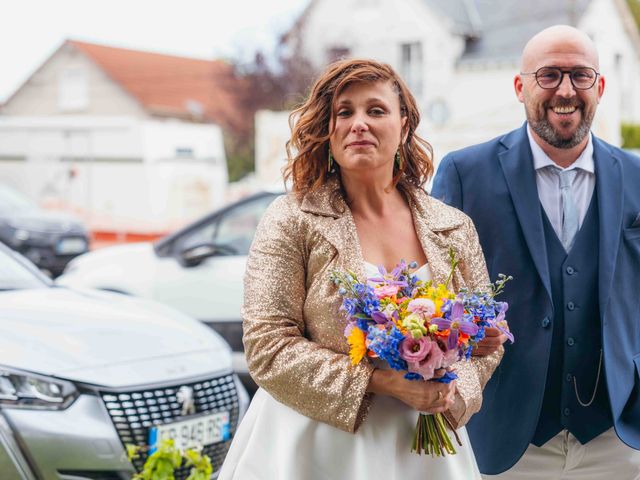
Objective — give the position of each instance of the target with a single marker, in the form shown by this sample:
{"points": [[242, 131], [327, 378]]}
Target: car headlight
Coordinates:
{"points": [[28, 390]]}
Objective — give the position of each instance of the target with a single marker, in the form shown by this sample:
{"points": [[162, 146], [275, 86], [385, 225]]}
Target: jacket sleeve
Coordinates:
{"points": [[313, 380], [473, 375], [446, 184]]}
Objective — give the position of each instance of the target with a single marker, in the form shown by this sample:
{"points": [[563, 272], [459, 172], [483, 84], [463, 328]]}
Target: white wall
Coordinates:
{"points": [[117, 173], [376, 29], [272, 133], [619, 63]]}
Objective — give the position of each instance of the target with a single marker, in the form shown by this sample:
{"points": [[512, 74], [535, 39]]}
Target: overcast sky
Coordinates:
{"points": [[30, 30]]}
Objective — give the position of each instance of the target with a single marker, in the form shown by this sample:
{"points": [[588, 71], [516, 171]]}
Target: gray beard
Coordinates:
{"points": [[545, 131]]}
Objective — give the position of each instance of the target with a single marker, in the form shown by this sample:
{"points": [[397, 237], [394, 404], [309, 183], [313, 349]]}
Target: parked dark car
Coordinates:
{"points": [[48, 239]]}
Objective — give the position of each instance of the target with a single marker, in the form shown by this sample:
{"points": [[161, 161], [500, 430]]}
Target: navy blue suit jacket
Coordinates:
{"points": [[494, 183]]}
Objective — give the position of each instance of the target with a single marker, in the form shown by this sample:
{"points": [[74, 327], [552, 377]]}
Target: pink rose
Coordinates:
{"points": [[450, 357], [386, 291], [422, 306]]}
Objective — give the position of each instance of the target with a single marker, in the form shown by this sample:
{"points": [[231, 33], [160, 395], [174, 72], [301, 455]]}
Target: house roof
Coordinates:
{"points": [[172, 86], [463, 14], [505, 26]]}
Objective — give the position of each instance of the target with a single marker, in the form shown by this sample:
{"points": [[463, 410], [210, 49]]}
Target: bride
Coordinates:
{"points": [[357, 169]]}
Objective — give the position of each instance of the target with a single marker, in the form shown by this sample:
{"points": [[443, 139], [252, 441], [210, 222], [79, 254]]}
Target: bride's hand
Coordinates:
{"points": [[428, 397]]}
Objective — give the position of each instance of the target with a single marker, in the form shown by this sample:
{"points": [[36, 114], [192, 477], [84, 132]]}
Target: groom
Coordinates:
{"points": [[559, 210]]}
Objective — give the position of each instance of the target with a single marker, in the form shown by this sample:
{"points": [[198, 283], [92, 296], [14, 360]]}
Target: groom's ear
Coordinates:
{"points": [[518, 87]]}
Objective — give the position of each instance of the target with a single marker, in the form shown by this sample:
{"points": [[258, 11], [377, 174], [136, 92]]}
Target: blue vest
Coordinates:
{"points": [[577, 338]]}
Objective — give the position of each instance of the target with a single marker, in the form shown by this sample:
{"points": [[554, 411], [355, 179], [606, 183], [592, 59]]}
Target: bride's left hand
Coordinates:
{"points": [[490, 343]]}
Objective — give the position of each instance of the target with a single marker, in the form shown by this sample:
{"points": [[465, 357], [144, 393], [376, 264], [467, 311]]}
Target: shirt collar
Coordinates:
{"points": [[542, 160]]}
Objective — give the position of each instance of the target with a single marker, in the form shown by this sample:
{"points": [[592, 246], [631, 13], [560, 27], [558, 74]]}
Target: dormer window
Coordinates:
{"points": [[337, 53], [411, 66], [73, 90]]}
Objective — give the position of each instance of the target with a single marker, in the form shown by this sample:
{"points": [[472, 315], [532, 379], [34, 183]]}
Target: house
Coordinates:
{"points": [[459, 57], [131, 140]]}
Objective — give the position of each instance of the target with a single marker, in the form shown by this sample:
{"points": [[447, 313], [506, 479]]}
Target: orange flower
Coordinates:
{"points": [[357, 344]]}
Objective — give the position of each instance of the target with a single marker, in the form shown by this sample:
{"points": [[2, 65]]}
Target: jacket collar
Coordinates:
{"points": [[327, 201], [335, 223]]}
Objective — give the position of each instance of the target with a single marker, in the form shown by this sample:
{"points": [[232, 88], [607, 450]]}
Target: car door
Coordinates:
{"points": [[212, 290]]}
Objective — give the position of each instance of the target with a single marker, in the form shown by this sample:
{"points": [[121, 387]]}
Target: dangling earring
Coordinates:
{"points": [[398, 159], [330, 162]]}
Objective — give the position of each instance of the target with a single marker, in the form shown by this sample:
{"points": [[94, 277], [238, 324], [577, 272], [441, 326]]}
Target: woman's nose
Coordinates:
{"points": [[359, 124]]}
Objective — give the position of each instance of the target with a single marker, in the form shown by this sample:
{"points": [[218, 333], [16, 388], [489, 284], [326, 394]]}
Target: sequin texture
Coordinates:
{"points": [[293, 332]]}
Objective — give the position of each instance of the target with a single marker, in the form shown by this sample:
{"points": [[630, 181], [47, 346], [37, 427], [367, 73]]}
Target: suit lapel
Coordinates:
{"points": [[517, 165], [610, 203]]}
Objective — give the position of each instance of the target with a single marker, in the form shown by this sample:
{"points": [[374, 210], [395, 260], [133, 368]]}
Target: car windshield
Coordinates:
{"points": [[16, 273], [13, 201]]}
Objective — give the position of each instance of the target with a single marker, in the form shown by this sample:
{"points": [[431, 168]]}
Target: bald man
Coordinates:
{"points": [[559, 209]]}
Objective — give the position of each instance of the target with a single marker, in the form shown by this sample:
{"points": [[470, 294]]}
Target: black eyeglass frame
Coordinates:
{"points": [[564, 72]]}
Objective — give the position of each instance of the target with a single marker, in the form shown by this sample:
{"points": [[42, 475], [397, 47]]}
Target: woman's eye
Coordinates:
{"points": [[377, 111], [343, 113]]}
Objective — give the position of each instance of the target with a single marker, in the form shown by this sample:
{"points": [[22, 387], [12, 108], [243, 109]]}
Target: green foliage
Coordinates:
{"points": [[162, 464], [634, 6], [630, 135], [240, 153]]}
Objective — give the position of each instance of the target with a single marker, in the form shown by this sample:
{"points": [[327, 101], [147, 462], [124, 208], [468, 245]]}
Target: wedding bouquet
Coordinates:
{"points": [[418, 327]]}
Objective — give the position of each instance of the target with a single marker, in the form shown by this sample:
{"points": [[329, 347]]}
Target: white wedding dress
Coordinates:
{"points": [[274, 442]]}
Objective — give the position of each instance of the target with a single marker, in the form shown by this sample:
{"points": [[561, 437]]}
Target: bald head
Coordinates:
{"points": [[555, 41]]}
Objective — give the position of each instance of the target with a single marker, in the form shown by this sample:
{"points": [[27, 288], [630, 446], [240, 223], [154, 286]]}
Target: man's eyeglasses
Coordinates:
{"points": [[582, 78]]}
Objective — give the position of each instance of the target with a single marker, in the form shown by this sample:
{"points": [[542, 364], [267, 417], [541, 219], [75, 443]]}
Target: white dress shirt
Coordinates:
{"points": [[548, 183]]}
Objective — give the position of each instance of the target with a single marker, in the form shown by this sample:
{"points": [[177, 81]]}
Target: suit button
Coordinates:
{"points": [[571, 306], [567, 412], [569, 377], [571, 342], [570, 270], [545, 322]]}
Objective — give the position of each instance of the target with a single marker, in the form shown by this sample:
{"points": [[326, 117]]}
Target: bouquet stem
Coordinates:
{"points": [[431, 436]]}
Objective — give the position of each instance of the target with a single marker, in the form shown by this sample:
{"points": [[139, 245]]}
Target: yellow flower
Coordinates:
{"points": [[358, 346]]}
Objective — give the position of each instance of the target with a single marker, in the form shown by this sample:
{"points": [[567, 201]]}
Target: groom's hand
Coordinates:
{"points": [[490, 343]]}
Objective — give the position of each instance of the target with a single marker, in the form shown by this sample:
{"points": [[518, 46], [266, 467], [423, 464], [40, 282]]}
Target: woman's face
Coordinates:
{"points": [[368, 128]]}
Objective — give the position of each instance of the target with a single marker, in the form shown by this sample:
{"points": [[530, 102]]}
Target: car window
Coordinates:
{"points": [[235, 228], [238, 226]]}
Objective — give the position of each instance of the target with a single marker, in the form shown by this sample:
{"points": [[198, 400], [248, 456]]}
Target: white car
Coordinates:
{"points": [[197, 270], [83, 373]]}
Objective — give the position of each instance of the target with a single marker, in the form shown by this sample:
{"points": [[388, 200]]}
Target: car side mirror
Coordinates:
{"points": [[194, 255]]}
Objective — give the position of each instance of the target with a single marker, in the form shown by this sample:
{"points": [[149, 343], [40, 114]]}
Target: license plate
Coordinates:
{"points": [[192, 432], [69, 246]]}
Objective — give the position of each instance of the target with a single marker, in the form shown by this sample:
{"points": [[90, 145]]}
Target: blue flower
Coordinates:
{"points": [[385, 343], [350, 305], [448, 377]]}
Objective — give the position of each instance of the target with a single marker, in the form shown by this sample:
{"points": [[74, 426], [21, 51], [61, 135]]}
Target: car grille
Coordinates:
{"points": [[134, 412]]}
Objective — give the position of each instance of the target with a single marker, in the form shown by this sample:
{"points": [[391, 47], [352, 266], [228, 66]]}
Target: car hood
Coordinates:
{"points": [[104, 338], [140, 253]]}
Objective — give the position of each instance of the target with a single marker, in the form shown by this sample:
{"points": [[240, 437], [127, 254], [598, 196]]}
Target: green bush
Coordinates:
{"points": [[630, 135], [162, 464]]}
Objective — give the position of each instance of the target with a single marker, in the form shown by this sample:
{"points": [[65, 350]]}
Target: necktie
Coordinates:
{"points": [[569, 210]]}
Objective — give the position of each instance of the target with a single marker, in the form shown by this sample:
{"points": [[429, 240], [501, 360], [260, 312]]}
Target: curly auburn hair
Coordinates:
{"points": [[308, 148]]}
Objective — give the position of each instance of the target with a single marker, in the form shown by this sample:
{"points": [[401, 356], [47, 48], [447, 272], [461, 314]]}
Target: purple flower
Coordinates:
{"points": [[379, 317], [501, 323], [391, 278], [455, 324]]}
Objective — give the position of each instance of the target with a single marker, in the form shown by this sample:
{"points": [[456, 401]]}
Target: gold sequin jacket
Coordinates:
{"points": [[293, 331]]}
